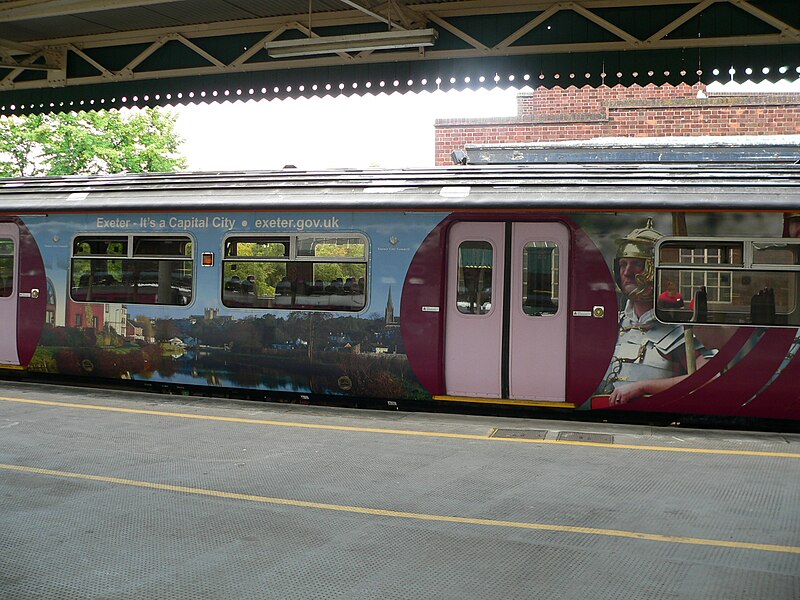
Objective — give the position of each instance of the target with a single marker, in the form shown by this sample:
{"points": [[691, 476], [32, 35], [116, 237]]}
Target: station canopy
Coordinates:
{"points": [[64, 55]]}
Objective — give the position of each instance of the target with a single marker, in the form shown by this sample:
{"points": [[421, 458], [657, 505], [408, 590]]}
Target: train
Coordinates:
{"points": [[576, 288]]}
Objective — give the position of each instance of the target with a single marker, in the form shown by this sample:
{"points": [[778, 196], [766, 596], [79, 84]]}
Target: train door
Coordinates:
{"points": [[9, 277], [506, 317]]}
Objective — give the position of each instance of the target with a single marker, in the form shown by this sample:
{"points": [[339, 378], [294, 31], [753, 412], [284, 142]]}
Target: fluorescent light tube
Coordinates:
{"points": [[388, 40]]}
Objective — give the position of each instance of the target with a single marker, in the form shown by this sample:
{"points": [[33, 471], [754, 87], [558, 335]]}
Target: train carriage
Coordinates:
{"points": [[662, 288]]}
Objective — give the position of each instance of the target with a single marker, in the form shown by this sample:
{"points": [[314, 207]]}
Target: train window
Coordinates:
{"points": [[776, 253], [100, 246], [6, 267], [540, 279], [304, 271], [701, 252], [331, 247], [273, 247], [742, 282], [162, 246], [474, 291], [132, 269]]}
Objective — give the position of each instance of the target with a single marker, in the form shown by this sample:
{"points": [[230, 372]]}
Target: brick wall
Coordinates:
{"points": [[550, 115]]}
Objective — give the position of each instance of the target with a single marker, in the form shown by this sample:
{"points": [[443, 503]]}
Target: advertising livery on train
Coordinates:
{"points": [[657, 288]]}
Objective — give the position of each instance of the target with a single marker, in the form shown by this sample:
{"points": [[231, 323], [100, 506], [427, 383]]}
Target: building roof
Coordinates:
{"points": [[684, 149]]}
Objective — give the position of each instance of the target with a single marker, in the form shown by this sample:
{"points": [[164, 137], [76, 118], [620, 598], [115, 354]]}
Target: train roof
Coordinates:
{"points": [[590, 186]]}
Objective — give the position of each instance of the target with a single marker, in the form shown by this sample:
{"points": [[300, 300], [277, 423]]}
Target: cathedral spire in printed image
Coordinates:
{"points": [[390, 321]]}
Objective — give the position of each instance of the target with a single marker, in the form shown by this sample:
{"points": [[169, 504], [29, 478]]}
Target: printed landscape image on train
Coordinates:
{"points": [[425, 287]]}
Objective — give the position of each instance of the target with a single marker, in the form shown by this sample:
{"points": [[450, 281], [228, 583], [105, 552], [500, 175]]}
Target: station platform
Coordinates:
{"points": [[133, 495]]}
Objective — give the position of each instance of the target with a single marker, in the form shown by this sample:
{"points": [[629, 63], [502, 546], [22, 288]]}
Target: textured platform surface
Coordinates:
{"points": [[125, 495]]}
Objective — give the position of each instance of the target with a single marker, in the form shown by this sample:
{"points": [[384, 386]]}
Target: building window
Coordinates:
{"points": [[132, 269], [304, 271], [718, 286]]}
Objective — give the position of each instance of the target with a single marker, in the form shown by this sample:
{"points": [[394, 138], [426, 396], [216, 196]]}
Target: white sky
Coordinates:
{"points": [[318, 133], [357, 132], [349, 132]]}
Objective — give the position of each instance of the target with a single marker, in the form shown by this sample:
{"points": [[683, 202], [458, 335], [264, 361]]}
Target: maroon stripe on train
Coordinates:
{"points": [[30, 311], [781, 400], [590, 341], [677, 395], [726, 394], [667, 400]]}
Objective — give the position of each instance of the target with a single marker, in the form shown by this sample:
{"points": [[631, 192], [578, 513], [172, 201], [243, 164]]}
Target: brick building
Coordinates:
{"points": [[552, 115]]}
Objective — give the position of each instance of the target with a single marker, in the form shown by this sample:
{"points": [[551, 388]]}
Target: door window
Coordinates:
{"points": [[540, 279], [6, 267], [474, 293]]}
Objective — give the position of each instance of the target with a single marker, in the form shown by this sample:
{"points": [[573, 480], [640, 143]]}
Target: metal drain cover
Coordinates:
{"points": [[579, 436], [528, 434]]}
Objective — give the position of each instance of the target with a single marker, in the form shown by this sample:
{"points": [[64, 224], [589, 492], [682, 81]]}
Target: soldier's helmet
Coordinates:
{"points": [[788, 217], [639, 243]]}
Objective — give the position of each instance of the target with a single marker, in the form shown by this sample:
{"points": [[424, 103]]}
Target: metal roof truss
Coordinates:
{"points": [[481, 43]]}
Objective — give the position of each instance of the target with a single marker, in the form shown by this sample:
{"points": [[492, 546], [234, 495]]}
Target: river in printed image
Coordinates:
{"points": [[189, 372]]}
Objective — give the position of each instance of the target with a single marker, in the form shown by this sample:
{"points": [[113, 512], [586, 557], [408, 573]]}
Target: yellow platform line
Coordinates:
{"points": [[409, 432], [379, 512], [504, 401]]}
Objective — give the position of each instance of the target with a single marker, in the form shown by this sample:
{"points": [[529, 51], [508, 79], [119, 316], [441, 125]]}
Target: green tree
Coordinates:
{"points": [[97, 142], [148, 329], [19, 147], [328, 271], [166, 329]]}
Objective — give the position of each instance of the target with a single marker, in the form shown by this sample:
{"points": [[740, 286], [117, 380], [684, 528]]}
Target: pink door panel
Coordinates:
{"points": [[538, 332], [507, 347], [9, 288], [474, 316]]}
